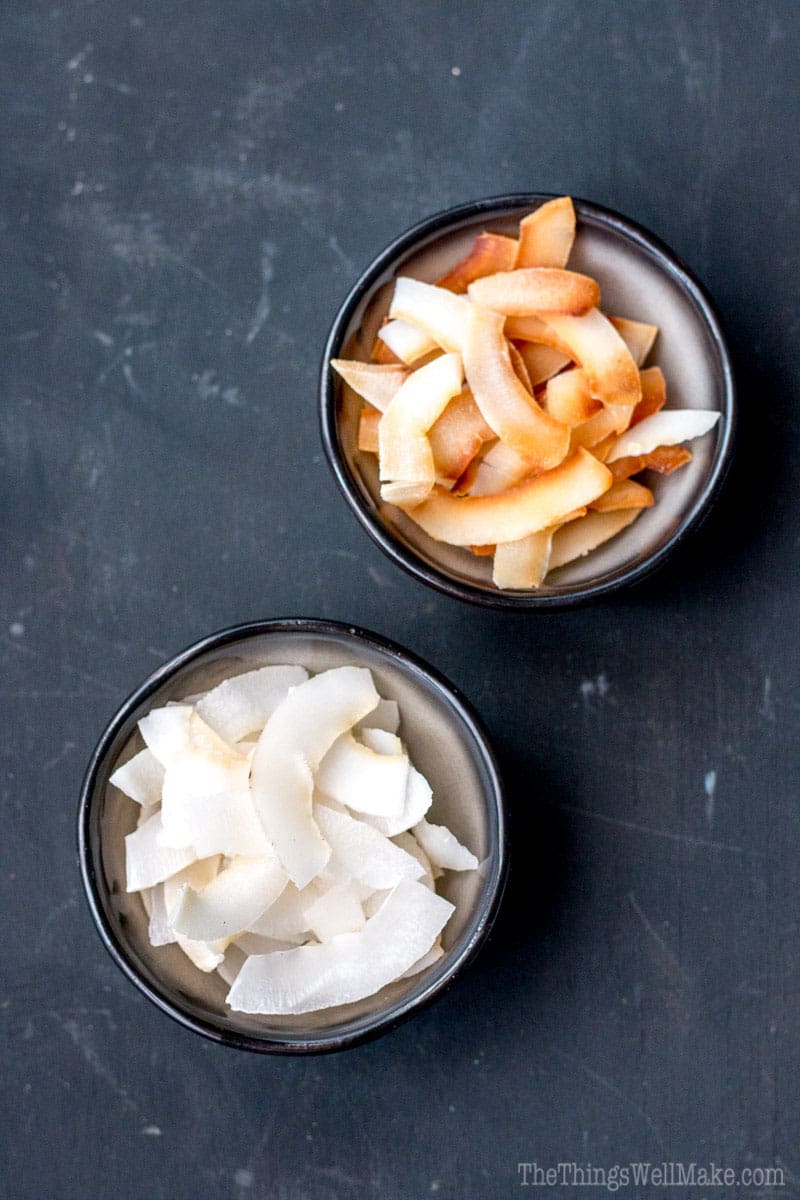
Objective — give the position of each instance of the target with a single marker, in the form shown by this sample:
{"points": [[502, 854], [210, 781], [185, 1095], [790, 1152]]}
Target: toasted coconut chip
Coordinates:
{"points": [[533, 290], [665, 428], [337, 911], [406, 456], [443, 848], [524, 563], [434, 954], [580, 537], [491, 252], [598, 348], [654, 394], [231, 902], [406, 841], [519, 368], [546, 235], [159, 931], [625, 493], [243, 705], [286, 919], [598, 428], [350, 966], [637, 336], [440, 313], [538, 332], [457, 437], [542, 362], [407, 342], [376, 383], [296, 738], [141, 778], [363, 779], [385, 716], [534, 505], [504, 402], [368, 424], [499, 469], [360, 852], [419, 796], [664, 460], [147, 861], [568, 398]]}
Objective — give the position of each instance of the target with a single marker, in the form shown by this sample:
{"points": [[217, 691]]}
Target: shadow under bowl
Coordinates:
{"points": [[445, 741], [640, 278]]}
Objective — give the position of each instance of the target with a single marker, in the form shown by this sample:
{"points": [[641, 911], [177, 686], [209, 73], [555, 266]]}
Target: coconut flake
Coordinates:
{"points": [[159, 930], [147, 862], [141, 778], [350, 966], [434, 954], [227, 823], [243, 704], [338, 910], [419, 798], [665, 428], [296, 738], [385, 715], [443, 848], [360, 852], [363, 779], [286, 918], [231, 902]]}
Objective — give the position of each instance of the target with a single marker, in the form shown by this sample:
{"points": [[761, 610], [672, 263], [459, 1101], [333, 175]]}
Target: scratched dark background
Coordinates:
{"points": [[188, 191]]}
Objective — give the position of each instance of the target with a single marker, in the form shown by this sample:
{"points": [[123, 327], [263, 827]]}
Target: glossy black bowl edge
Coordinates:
{"points": [[219, 640], [407, 560]]}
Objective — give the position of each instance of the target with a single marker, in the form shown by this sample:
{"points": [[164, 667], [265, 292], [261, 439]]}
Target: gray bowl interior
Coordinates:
{"points": [[634, 284], [441, 744]]}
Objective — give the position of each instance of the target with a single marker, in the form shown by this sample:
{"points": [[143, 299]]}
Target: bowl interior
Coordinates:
{"points": [[442, 743], [637, 281]]}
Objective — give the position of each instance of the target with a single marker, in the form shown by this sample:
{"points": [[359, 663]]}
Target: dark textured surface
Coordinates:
{"points": [[188, 192]]}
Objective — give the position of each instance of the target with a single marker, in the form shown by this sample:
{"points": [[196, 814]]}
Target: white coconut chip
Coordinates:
{"points": [[419, 798], [205, 956], [443, 848], [159, 930], [362, 779], [296, 738], [407, 841], [243, 704], [665, 428], [434, 954], [385, 715], [407, 341], [338, 910], [255, 943], [362, 853], [232, 963], [351, 966], [147, 862], [141, 778], [231, 902], [227, 824], [285, 920]]}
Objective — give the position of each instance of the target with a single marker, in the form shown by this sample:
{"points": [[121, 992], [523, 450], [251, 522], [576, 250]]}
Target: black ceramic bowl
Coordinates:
{"points": [[446, 742], [640, 278]]}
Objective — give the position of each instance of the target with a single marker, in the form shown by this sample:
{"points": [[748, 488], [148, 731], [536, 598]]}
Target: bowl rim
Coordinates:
{"points": [[495, 797], [438, 577]]}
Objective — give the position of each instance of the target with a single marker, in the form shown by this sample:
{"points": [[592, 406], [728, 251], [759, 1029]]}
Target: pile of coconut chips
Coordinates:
{"points": [[510, 414], [282, 839]]}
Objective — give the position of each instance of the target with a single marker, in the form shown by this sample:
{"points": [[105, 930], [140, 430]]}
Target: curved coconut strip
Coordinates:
{"points": [[285, 920], [595, 344], [580, 537], [337, 911], [359, 852], [568, 398], [457, 436], [141, 778], [205, 956], [499, 469], [408, 342], [243, 704], [546, 235], [654, 394], [350, 966], [519, 368], [405, 452], [536, 331], [377, 383], [524, 563], [419, 796], [491, 252], [666, 428], [229, 903], [505, 403], [534, 290], [545, 500], [147, 861], [625, 493], [541, 362], [607, 423], [362, 779], [440, 313], [443, 848], [637, 336], [296, 738], [664, 460]]}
